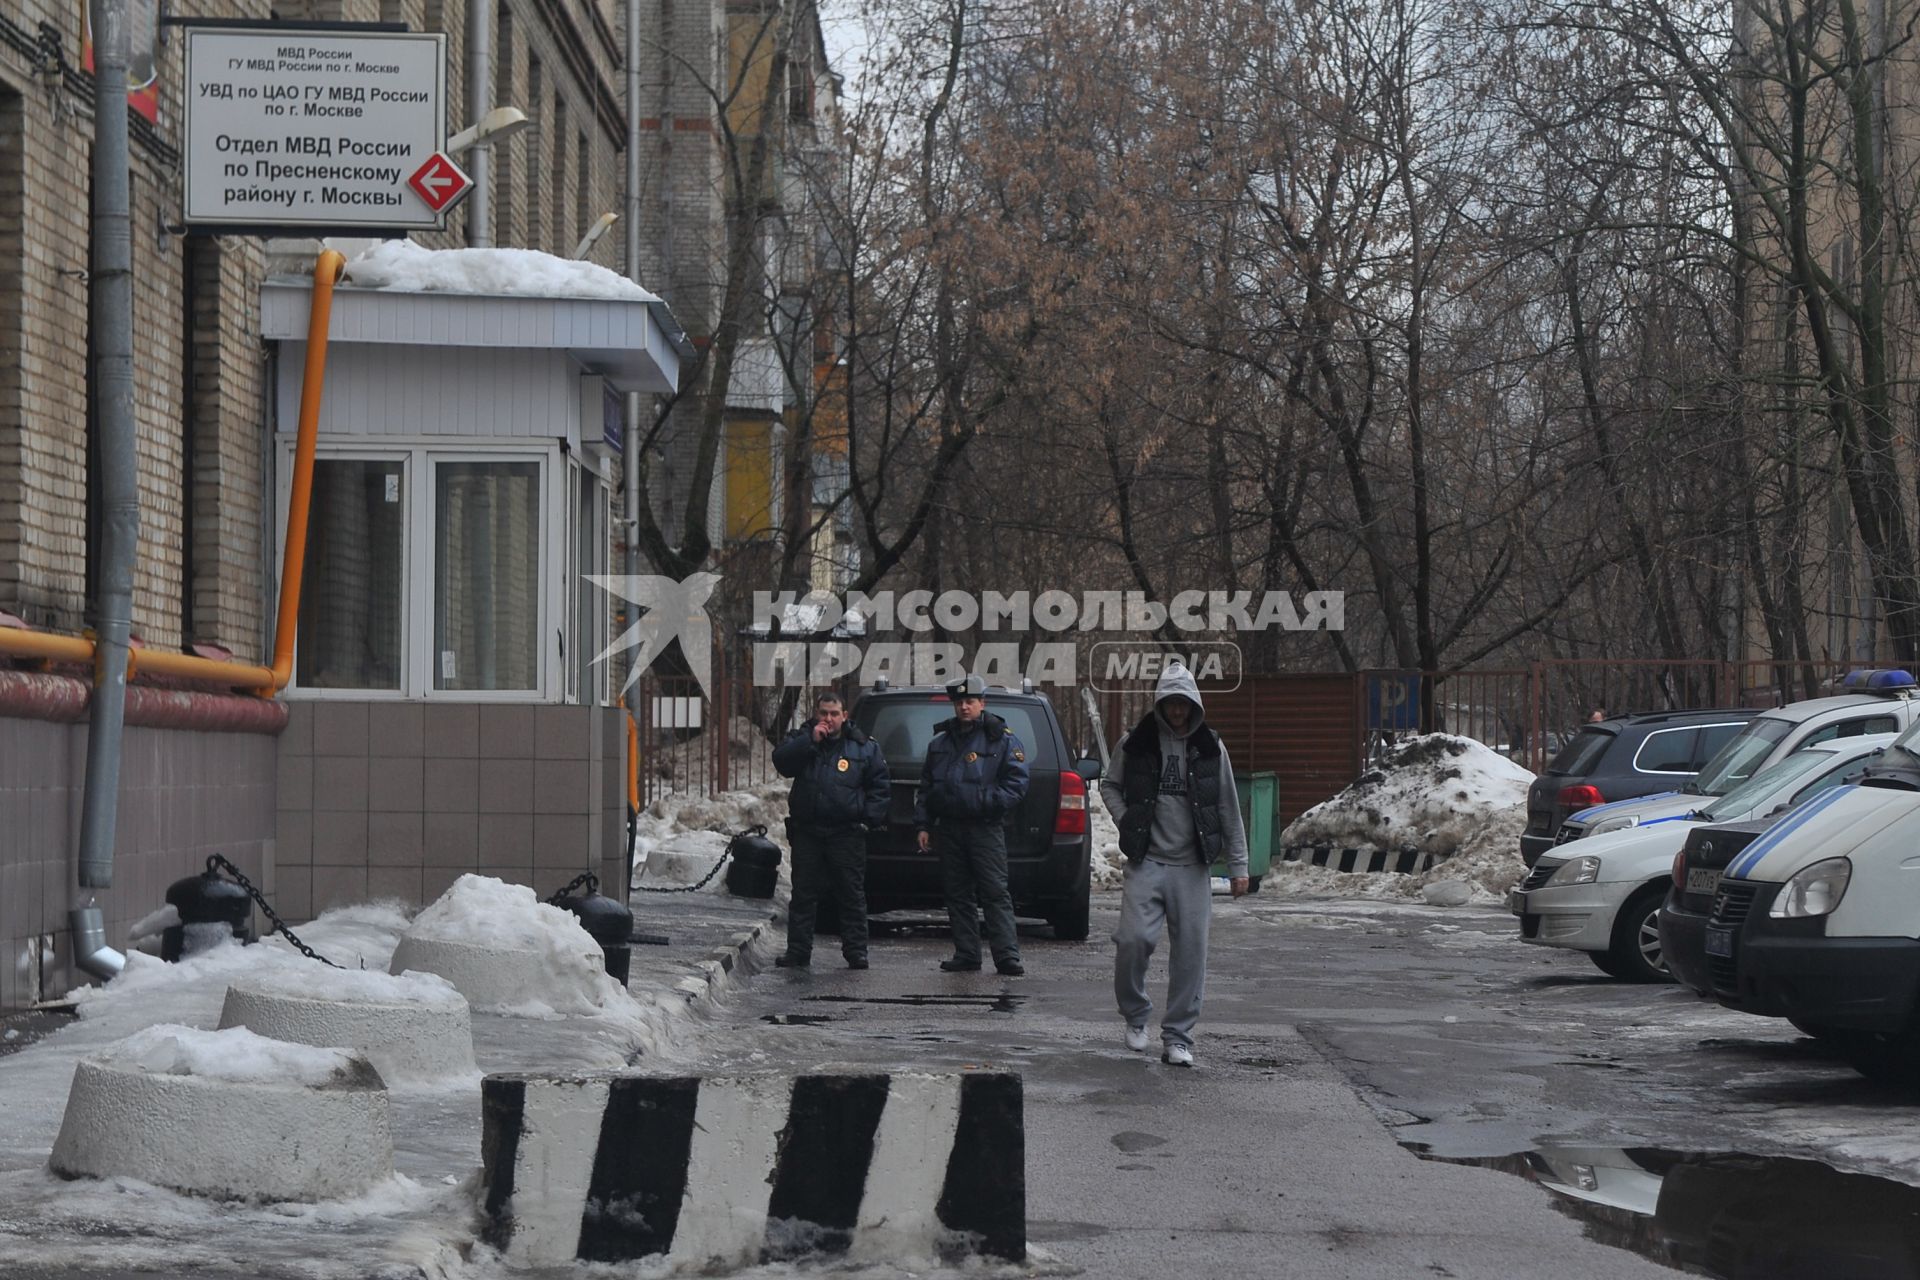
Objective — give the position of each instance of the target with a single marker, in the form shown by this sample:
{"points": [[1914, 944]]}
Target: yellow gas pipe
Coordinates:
{"points": [[266, 681]]}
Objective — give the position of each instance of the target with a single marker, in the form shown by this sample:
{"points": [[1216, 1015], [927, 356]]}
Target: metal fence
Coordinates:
{"points": [[1316, 730]]}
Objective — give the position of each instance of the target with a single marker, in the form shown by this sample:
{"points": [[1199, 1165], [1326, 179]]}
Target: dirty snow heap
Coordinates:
{"points": [[1438, 793]]}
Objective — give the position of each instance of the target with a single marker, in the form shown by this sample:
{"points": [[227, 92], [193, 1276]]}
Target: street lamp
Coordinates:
{"points": [[594, 232], [494, 126], [497, 125]]}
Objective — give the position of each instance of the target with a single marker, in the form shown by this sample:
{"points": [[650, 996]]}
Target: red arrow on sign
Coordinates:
{"points": [[440, 182]]}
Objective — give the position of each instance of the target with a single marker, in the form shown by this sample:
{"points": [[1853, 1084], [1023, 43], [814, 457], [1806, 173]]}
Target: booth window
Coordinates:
{"points": [[350, 605], [486, 570], [433, 572]]}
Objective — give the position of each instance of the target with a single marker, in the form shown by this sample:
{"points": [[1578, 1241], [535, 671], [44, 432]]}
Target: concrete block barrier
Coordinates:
{"points": [[324, 1137], [725, 1173], [408, 1040]]}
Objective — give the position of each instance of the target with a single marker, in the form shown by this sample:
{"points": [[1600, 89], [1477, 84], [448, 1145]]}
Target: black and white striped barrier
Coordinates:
{"points": [[1405, 861], [726, 1173]]}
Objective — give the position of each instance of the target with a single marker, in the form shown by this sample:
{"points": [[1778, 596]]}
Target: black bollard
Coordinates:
{"points": [[754, 866], [608, 923], [212, 910]]}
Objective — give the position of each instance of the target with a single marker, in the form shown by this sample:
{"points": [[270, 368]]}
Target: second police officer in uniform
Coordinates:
{"points": [[975, 776]]}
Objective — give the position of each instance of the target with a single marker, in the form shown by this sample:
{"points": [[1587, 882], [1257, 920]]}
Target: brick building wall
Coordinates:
{"points": [[204, 566]]}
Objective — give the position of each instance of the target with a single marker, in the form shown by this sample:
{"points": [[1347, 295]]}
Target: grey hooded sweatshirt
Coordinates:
{"points": [[1174, 840]]}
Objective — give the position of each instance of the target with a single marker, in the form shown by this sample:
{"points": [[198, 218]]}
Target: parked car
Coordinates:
{"points": [[1883, 702], [1605, 898], [1818, 919], [1621, 758], [1049, 845]]}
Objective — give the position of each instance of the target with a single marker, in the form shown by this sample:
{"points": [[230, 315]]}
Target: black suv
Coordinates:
{"points": [[1049, 845], [1623, 758]]}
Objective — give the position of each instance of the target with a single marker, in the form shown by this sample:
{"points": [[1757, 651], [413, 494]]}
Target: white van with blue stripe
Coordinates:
{"points": [[1818, 920]]}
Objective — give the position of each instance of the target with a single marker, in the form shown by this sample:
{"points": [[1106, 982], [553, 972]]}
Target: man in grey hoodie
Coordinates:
{"points": [[1179, 814]]}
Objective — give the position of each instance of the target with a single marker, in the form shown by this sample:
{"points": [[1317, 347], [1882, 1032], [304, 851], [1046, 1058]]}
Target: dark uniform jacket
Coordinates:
{"points": [[971, 774], [837, 782]]}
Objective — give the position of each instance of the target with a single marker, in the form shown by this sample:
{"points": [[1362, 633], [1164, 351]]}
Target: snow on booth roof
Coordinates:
{"points": [[405, 267]]}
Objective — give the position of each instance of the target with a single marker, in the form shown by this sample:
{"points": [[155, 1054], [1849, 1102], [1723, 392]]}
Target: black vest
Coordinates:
{"points": [[1140, 788]]}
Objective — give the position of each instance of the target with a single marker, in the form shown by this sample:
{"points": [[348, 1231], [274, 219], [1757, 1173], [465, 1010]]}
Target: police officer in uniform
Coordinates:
{"points": [[974, 778], [840, 789]]}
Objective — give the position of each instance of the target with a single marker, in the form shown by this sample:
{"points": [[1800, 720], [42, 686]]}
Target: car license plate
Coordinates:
{"points": [[1703, 880], [1517, 902], [1720, 943]]}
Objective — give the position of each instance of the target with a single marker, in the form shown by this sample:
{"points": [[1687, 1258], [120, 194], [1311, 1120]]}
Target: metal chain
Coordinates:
{"points": [[279, 926], [708, 878], [586, 878]]}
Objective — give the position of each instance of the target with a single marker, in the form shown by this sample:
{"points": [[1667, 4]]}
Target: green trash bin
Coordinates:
{"points": [[1259, 808]]}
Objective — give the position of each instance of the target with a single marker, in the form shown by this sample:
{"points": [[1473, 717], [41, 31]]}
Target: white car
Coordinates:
{"points": [[1603, 897], [1883, 702]]}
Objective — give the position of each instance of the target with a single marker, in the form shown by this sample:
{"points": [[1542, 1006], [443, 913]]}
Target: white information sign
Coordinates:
{"points": [[291, 127]]}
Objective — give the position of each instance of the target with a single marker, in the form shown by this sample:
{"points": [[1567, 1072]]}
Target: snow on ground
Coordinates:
{"points": [[417, 1223], [510, 916], [235, 1055], [683, 836], [1443, 794], [406, 267]]}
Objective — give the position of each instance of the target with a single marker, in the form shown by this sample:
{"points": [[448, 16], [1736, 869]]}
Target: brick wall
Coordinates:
{"points": [[45, 135]]}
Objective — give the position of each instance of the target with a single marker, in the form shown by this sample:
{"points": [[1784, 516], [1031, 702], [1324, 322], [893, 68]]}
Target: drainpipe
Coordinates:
{"points": [[630, 440], [630, 444], [112, 392], [479, 162], [111, 343]]}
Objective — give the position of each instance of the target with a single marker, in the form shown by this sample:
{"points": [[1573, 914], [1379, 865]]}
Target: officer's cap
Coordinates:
{"points": [[971, 687]]}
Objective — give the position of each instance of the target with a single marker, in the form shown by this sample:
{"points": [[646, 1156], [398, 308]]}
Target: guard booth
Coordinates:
{"points": [[448, 715]]}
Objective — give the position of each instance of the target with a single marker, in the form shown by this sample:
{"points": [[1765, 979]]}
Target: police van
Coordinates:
{"points": [[1818, 919]]}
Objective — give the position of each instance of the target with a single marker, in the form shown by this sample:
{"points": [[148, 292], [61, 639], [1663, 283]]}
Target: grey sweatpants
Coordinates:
{"points": [[1182, 897]]}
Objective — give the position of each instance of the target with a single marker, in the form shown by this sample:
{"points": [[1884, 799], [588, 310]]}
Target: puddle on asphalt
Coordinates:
{"points": [[1005, 1002], [1734, 1216]]}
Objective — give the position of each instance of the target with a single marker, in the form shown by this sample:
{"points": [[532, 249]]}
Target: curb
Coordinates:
{"points": [[722, 1173], [717, 968]]}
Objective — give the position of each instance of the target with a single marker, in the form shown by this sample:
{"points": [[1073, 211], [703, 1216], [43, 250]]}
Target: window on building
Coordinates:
{"points": [[506, 192], [486, 575], [748, 465], [536, 157], [560, 225], [435, 572], [799, 86], [350, 599]]}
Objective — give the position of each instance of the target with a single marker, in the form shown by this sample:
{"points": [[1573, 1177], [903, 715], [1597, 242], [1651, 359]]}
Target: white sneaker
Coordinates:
{"points": [[1177, 1055], [1137, 1039]]}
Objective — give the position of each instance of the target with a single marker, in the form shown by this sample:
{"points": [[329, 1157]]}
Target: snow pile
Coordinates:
{"points": [[1444, 795], [683, 836], [235, 1055], [358, 937], [482, 911], [406, 267], [369, 986]]}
